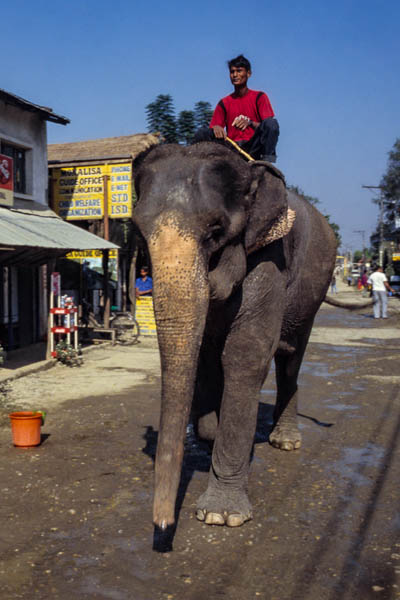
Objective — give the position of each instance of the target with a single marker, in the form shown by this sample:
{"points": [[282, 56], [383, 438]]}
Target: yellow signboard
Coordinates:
{"points": [[92, 261], [144, 314], [396, 256], [82, 254], [78, 192]]}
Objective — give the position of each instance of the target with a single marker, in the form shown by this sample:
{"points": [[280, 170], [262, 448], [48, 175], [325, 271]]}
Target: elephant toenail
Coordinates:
{"points": [[235, 520], [214, 519], [200, 514], [287, 446]]}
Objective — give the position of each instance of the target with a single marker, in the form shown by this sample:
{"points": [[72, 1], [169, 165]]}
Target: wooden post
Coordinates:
{"points": [[51, 264], [106, 220], [106, 320], [123, 276], [132, 282], [50, 325], [107, 303]]}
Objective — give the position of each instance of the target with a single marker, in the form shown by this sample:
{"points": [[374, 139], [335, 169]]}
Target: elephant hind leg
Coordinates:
{"points": [[285, 434], [208, 392]]}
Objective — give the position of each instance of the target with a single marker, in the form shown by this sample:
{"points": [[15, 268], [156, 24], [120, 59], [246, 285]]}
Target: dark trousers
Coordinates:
{"points": [[262, 146]]}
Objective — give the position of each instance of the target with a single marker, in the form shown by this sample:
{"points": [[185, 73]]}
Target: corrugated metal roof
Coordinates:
{"points": [[31, 235]]}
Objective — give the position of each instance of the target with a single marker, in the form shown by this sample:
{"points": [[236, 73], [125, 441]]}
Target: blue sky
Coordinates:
{"points": [[330, 69]]}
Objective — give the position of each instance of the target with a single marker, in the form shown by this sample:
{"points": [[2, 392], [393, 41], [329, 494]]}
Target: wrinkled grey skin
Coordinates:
{"points": [[227, 300]]}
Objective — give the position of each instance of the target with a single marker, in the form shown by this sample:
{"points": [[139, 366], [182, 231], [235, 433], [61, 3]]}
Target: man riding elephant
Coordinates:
{"points": [[245, 116]]}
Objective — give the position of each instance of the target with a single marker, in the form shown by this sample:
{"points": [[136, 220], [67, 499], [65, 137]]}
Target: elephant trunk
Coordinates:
{"points": [[180, 302]]}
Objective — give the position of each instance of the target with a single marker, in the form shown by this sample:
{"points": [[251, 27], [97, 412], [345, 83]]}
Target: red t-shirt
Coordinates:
{"points": [[255, 105]]}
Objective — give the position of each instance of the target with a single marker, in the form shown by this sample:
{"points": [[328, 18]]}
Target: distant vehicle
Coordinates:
{"points": [[395, 284]]}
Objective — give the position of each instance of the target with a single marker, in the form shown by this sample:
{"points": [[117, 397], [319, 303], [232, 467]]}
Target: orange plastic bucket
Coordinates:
{"points": [[25, 428]]}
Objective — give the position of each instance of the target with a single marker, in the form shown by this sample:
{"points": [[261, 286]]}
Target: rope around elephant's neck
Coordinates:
{"points": [[238, 148], [265, 164]]}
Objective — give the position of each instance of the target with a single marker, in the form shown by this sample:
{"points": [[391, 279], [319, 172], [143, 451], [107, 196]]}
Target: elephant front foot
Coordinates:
{"points": [[219, 508], [285, 437]]}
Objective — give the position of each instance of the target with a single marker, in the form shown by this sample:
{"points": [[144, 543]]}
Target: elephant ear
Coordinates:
{"points": [[270, 218]]}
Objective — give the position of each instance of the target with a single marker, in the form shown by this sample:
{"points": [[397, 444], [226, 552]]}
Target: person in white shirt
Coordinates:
{"points": [[380, 288]]}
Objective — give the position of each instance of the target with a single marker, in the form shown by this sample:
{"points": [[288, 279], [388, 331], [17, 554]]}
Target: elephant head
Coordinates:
{"points": [[202, 211]]}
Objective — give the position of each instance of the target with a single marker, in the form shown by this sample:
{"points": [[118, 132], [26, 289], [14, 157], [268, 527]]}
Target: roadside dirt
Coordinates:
{"points": [[106, 370], [76, 510]]}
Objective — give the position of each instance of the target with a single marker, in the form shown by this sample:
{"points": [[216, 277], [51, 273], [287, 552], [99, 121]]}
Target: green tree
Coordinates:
{"points": [[160, 116], [202, 114], [390, 188], [389, 197], [359, 254], [336, 230], [299, 192], [390, 182], [186, 126]]}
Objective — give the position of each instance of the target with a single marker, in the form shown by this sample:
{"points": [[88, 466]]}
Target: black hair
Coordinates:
{"points": [[239, 61]]}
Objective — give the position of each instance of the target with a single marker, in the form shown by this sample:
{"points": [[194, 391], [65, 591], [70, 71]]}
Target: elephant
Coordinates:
{"points": [[240, 266]]}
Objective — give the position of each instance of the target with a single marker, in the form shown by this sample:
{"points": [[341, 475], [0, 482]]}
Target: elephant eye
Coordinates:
{"points": [[214, 231]]}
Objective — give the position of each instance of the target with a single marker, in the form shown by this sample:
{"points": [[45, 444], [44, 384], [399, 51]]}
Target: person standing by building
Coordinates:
{"points": [[380, 288], [364, 279], [144, 283], [364, 283]]}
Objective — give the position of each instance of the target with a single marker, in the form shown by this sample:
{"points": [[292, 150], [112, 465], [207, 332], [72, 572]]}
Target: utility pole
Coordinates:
{"points": [[379, 187], [362, 232], [348, 260]]}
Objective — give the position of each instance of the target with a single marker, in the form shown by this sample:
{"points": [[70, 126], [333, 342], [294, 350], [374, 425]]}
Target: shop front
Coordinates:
{"points": [[32, 239], [91, 186]]}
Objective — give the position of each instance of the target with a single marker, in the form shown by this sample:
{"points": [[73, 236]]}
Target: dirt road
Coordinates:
{"points": [[76, 511]]}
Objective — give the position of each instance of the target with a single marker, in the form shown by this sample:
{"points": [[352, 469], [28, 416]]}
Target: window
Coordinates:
{"points": [[18, 156]]}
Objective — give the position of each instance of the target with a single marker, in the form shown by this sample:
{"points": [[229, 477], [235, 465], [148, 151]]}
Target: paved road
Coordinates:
{"points": [[76, 511]]}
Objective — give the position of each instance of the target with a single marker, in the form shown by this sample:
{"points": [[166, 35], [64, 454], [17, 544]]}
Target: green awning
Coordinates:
{"points": [[31, 233]]}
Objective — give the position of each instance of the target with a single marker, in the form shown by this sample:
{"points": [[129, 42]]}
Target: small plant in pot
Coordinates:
{"points": [[68, 355]]}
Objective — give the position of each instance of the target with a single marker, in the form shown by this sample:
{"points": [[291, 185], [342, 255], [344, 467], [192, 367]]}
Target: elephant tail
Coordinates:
{"points": [[349, 305]]}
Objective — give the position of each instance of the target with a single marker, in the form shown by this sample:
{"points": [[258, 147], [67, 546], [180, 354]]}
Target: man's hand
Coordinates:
{"points": [[219, 132], [241, 122], [387, 286], [138, 293]]}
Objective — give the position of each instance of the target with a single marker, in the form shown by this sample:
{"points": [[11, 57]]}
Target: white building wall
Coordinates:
{"points": [[27, 130]]}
